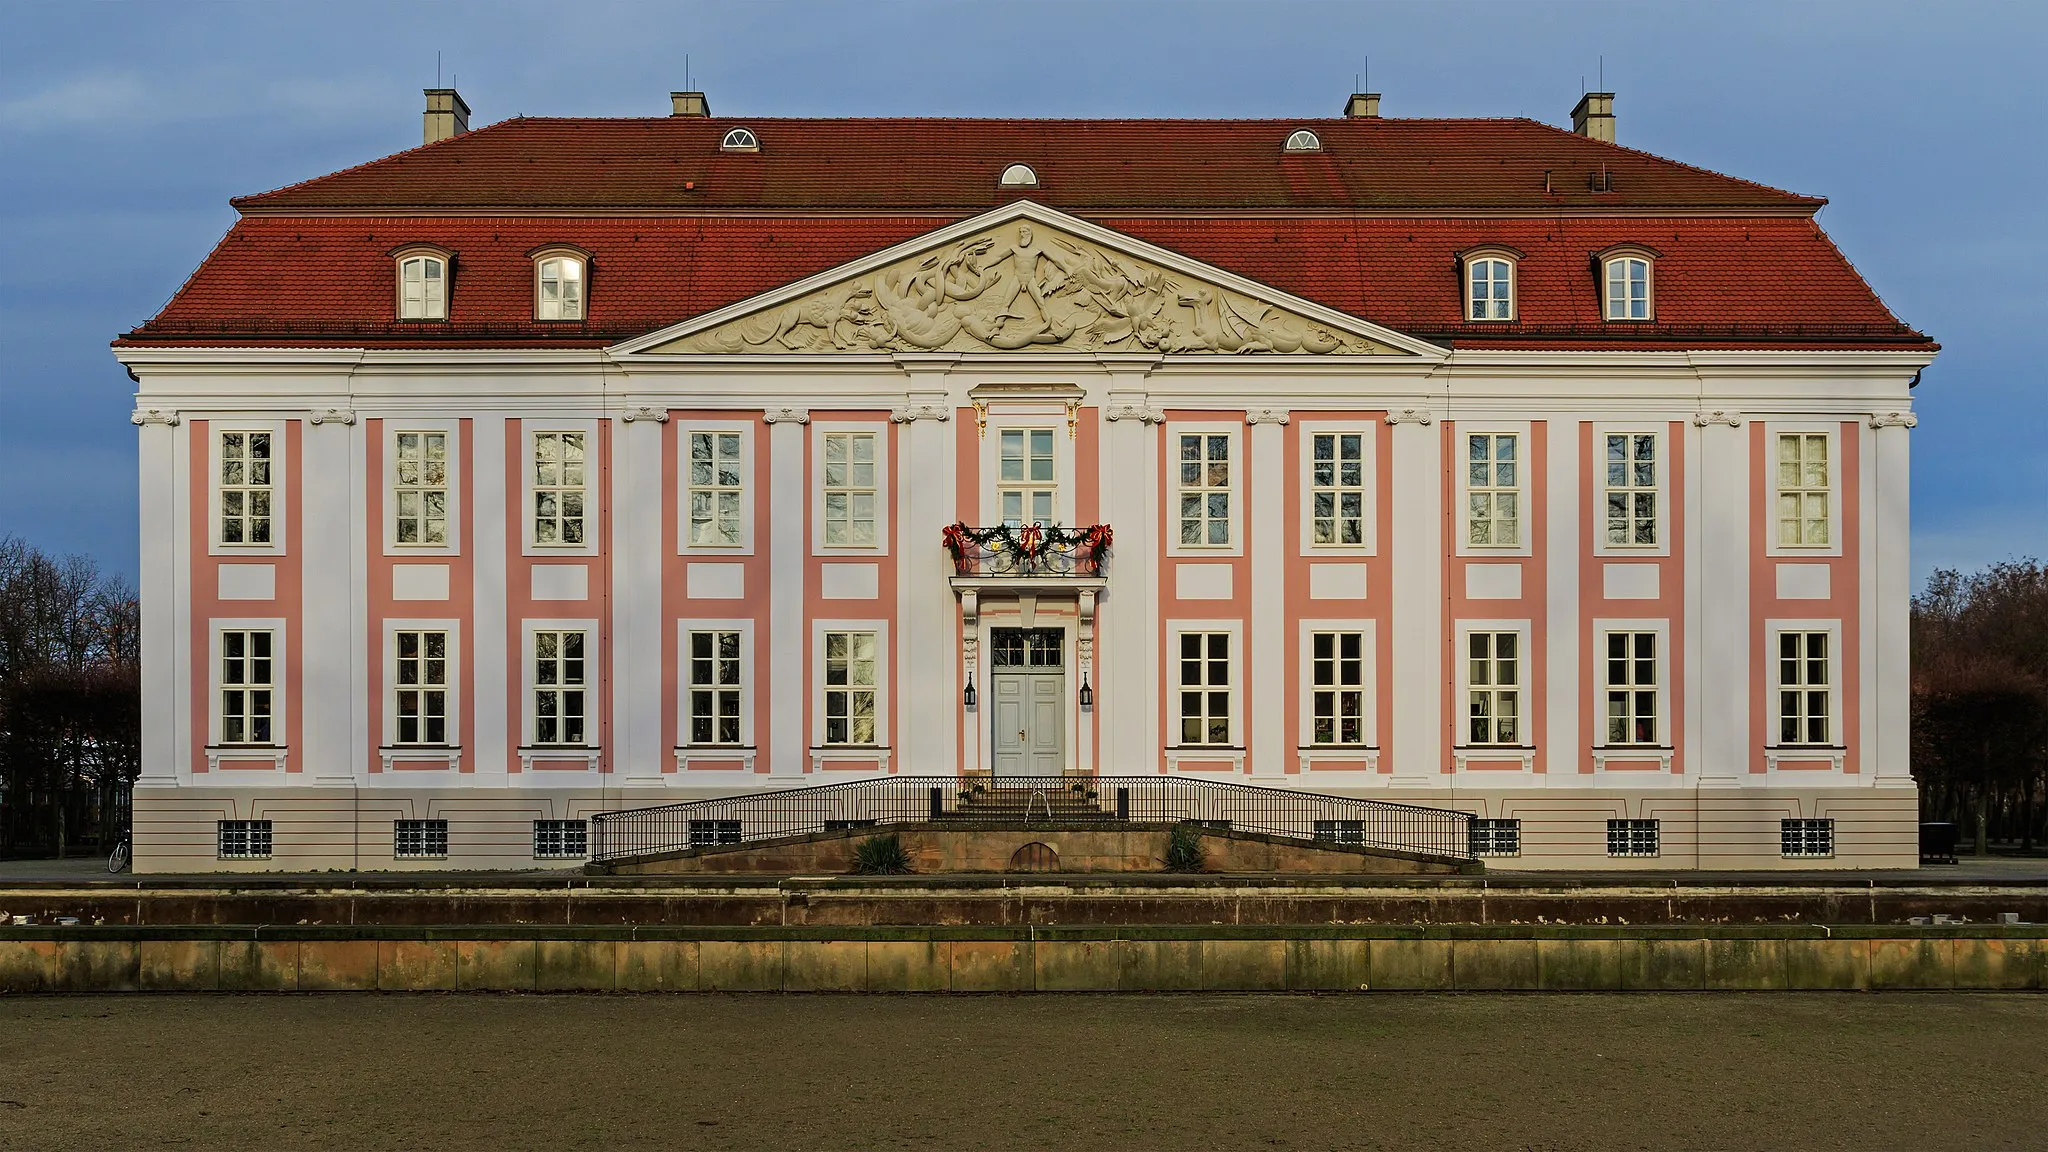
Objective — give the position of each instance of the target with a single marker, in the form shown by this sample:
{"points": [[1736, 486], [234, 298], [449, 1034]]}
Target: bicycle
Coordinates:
{"points": [[123, 854]]}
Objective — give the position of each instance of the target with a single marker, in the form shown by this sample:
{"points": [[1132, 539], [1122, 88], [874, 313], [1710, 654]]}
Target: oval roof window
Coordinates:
{"points": [[1303, 140], [740, 140], [1021, 175]]}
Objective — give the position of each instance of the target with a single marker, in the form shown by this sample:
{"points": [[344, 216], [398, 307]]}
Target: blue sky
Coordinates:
{"points": [[125, 128]]}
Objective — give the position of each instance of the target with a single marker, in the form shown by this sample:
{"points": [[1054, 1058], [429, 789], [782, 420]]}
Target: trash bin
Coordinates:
{"points": [[1938, 842]]}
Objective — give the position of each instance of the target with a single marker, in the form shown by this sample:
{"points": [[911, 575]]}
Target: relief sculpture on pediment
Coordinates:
{"points": [[1020, 286]]}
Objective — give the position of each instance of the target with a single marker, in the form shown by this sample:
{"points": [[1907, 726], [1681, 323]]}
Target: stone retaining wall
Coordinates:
{"points": [[1206, 959]]}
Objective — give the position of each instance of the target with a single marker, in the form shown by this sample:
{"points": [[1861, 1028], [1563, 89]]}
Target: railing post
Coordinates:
{"points": [[938, 802], [1123, 803]]}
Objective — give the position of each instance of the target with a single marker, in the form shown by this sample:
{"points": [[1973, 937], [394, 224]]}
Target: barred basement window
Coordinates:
{"points": [[1803, 688], [243, 839], [706, 833], [1494, 688], [558, 483], [847, 825], [850, 688], [1337, 670], [1803, 490], [1337, 488], [422, 688], [1806, 838], [420, 487], [561, 839], [716, 488], [419, 839], [1205, 688], [850, 488], [1632, 838], [1631, 688], [715, 688], [245, 488], [1495, 837], [1204, 488], [1631, 489], [245, 687], [558, 683], [1341, 831], [1493, 490]]}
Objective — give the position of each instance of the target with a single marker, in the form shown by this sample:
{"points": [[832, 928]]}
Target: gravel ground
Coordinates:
{"points": [[1531, 1072]]}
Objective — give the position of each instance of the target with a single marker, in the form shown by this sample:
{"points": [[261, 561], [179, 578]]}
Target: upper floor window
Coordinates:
{"points": [[716, 490], [422, 286], [245, 488], [558, 487], [1337, 488], [1803, 489], [558, 287], [1628, 288], [420, 487], [1493, 489], [1303, 140], [1631, 488], [1024, 486], [1489, 288], [1204, 488], [850, 488]]}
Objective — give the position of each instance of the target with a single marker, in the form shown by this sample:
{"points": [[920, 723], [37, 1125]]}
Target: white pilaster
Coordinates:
{"points": [[928, 685], [494, 670], [1127, 649], [1416, 554], [637, 611], [166, 600], [1267, 545], [1724, 636], [329, 544], [1888, 693], [787, 563], [1562, 746]]}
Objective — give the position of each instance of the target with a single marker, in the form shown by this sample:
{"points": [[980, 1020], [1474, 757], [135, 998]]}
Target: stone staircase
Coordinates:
{"points": [[1051, 804]]}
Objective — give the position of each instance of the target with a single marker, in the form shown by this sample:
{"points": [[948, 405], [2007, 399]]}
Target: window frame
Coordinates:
{"points": [[1234, 630], [1632, 831], [685, 441], [1368, 688], [1029, 485], [1367, 431], [452, 690], [686, 714], [540, 258], [1025, 416], [739, 138], [560, 828], [425, 828], [1799, 829], [1525, 488], [1836, 438], [1029, 178], [1468, 263], [399, 258], [1234, 488], [883, 488], [595, 473], [252, 832], [1491, 834], [593, 683], [1295, 144], [1597, 478], [1774, 743], [1604, 262], [452, 429], [279, 475], [1524, 689], [279, 687], [820, 629], [1659, 690]]}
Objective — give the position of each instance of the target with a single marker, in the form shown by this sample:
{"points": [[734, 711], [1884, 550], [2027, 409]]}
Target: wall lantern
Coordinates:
{"points": [[967, 697], [1087, 695]]}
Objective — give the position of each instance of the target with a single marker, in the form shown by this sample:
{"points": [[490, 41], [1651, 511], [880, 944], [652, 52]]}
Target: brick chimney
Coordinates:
{"points": [[447, 115], [1594, 116], [1363, 106], [688, 104]]}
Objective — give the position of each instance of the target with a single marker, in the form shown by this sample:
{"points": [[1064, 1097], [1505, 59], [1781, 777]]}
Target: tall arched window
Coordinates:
{"points": [[1628, 287], [1489, 286], [558, 285], [422, 285]]}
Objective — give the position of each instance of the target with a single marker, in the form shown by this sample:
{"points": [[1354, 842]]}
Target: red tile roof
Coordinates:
{"points": [[1084, 166], [1772, 281]]}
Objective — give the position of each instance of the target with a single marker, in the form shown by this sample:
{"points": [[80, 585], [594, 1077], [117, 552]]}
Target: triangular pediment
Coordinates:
{"points": [[1027, 278]]}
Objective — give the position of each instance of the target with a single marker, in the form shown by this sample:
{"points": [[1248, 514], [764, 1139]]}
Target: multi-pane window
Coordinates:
{"points": [[1631, 667], [1495, 837], [1204, 488], [1494, 687], [1803, 489], [850, 687], [1205, 688], [1337, 676], [420, 487], [1628, 288], [709, 833], [421, 684], [423, 288], [246, 684], [716, 488], [1806, 837], [558, 485], [1632, 838], [561, 289], [1489, 283], [1024, 484], [850, 488], [245, 487], [1631, 487], [1803, 683], [1493, 489], [715, 692], [1337, 487], [418, 839], [558, 686], [243, 839], [561, 839]]}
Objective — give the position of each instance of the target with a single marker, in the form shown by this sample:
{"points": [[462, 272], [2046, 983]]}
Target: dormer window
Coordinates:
{"points": [[1626, 284], [422, 285], [1490, 285], [558, 279], [1020, 175], [1303, 140], [740, 140]]}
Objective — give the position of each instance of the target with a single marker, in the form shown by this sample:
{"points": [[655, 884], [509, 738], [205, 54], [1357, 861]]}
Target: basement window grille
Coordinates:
{"points": [[244, 839], [1341, 831], [420, 839], [706, 833], [1496, 837], [847, 825], [1632, 838], [1806, 838], [561, 839]]}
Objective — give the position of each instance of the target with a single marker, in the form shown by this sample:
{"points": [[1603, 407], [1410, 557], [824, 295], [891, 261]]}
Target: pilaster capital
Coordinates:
{"points": [[908, 413], [1894, 420], [168, 417], [786, 416], [645, 412], [1133, 410], [1266, 416], [332, 416], [1420, 416], [1704, 419]]}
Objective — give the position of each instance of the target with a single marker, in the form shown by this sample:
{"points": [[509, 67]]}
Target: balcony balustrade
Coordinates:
{"points": [[1029, 551]]}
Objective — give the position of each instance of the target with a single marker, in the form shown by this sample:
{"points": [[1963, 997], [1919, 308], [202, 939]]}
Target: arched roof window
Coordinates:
{"points": [[1303, 140], [1020, 175], [740, 140]]}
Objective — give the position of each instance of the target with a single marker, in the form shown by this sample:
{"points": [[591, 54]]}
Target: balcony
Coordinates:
{"points": [[1028, 553]]}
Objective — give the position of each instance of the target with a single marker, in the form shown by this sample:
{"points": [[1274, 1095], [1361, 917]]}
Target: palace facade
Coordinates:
{"points": [[563, 466]]}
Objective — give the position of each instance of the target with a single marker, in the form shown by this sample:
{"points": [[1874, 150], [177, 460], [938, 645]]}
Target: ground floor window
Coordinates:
{"points": [[419, 839], [1337, 670], [1494, 688], [715, 691], [243, 839], [245, 686], [561, 839], [1632, 838], [850, 684], [1496, 837], [1205, 688], [558, 686], [421, 693], [1806, 838]]}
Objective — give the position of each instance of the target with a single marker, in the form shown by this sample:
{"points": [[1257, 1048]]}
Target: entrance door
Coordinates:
{"points": [[1028, 675]]}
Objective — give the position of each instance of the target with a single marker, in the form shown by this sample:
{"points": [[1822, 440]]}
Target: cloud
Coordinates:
{"points": [[94, 98]]}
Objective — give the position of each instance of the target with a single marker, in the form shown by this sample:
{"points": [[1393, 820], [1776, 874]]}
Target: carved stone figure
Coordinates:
{"points": [[1021, 286]]}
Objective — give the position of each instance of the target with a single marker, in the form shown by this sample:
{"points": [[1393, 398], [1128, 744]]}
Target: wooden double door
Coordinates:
{"points": [[1028, 678]]}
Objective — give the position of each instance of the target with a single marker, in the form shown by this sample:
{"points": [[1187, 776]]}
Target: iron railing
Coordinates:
{"points": [[1011, 800], [1027, 550]]}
